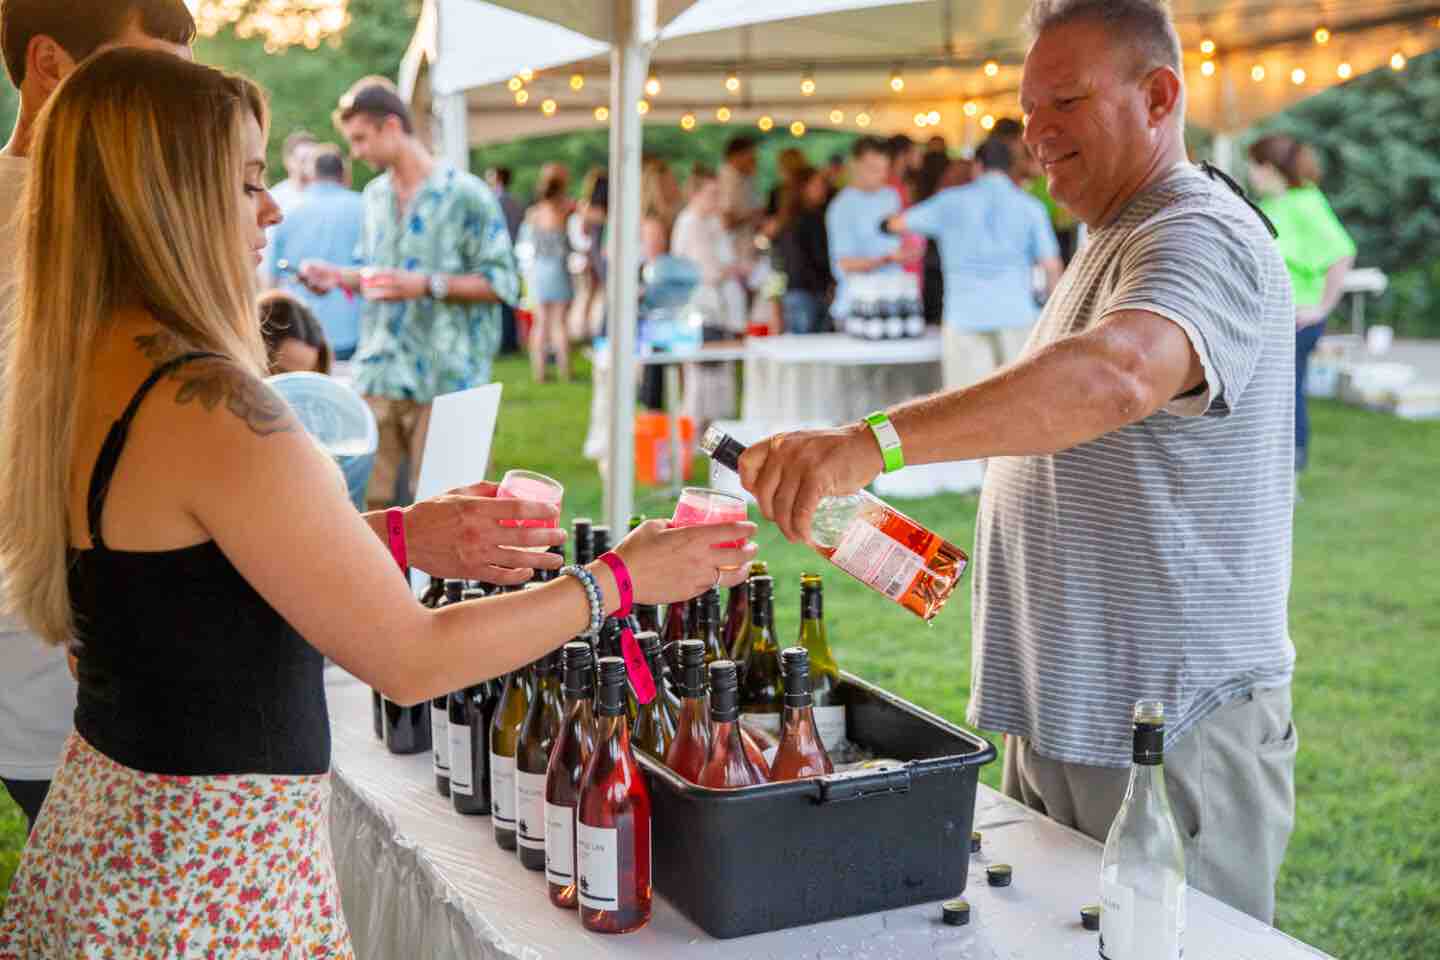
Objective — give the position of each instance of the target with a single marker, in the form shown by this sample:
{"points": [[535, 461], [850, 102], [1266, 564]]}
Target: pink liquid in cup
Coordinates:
{"points": [[699, 507], [524, 485]]}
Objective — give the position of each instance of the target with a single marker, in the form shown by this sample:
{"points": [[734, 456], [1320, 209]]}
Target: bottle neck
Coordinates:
{"points": [[694, 711], [1146, 792]]}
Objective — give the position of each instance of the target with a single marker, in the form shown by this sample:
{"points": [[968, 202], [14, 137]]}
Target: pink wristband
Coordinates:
{"points": [[641, 679], [395, 530], [622, 582]]}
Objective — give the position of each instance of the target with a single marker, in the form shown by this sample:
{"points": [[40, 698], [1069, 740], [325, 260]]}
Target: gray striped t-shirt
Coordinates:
{"points": [[1153, 562]]}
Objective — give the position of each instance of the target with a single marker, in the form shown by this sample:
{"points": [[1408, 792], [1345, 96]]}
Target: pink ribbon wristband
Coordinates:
{"points": [[395, 532], [642, 681]]}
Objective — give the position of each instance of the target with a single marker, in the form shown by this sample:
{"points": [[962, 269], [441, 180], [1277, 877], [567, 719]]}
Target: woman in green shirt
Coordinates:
{"points": [[1318, 251]]}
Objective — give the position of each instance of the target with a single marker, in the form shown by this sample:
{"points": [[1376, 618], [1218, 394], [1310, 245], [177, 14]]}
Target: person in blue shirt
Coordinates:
{"points": [[853, 220], [992, 235], [326, 225]]}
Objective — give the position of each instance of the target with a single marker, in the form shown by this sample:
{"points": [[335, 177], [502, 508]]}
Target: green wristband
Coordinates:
{"points": [[889, 439]]}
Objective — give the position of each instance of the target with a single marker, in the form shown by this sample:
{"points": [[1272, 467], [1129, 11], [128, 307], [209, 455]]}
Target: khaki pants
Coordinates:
{"points": [[403, 425], [1231, 784], [968, 357]]}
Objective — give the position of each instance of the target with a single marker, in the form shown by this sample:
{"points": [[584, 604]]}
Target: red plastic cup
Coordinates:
{"points": [[701, 506]]}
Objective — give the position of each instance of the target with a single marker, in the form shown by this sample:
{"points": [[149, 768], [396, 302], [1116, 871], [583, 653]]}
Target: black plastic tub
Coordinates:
{"points": [[738, 862]]}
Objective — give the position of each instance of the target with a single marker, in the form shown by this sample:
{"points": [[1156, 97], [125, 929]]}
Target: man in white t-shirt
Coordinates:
{"points": [[42, 42]]}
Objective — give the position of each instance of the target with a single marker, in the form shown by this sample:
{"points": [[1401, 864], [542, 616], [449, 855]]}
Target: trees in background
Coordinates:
{"points": [[1379, 139]]}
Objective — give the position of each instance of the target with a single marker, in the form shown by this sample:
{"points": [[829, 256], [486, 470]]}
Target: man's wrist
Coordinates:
{"points": [[887, 441]]}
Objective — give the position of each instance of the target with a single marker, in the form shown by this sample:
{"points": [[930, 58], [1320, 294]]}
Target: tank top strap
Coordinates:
{"points": [[109, 457]]}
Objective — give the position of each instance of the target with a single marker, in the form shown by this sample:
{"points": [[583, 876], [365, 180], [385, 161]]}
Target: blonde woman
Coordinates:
{"points": [[180, 529]]}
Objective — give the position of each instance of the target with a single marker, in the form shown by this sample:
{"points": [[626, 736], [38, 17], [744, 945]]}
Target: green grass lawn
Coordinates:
{"points": [[1362, 879]]}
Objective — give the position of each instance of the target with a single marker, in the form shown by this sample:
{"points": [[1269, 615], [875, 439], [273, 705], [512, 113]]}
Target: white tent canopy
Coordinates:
{"points": [[487, 72], [850, 49]]}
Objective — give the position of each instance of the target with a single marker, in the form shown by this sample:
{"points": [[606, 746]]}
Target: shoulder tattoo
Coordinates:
{"points": [[213, 382]]}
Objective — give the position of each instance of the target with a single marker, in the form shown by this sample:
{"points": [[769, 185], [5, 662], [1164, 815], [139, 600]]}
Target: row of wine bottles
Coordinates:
{"points": [[501, 747]]}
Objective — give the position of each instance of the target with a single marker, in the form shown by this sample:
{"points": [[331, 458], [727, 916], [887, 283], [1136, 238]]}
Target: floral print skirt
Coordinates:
{"points": [[124, 864]]}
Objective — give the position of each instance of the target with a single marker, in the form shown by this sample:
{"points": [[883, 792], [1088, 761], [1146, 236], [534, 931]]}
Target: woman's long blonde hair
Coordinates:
{"points": [[133, 199]]}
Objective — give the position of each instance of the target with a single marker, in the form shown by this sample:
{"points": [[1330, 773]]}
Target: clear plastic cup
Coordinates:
{"points": [[701, 506], [529, 485]]}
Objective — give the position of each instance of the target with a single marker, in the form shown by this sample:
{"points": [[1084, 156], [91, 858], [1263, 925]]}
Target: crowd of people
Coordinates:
{"points": [[176, 516]]}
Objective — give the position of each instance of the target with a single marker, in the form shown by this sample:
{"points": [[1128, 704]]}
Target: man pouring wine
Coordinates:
{"points": [[1134, 529]]}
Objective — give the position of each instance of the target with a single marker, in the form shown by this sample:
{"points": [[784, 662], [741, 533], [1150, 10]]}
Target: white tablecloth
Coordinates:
{"points": [[834, 378], [419, 881]]}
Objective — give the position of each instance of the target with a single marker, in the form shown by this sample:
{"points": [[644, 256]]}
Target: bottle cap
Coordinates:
{"points": [[649, 642], [579, 668], [1090, 918], [612, 687], [956, 912], [975, 842], [761, 584], [724, 692], [999, 874], [600, 538], [795, 664], [722, 448]]}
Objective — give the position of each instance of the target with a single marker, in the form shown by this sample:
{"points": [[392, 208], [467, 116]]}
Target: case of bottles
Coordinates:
{"points": [[738, 862]]}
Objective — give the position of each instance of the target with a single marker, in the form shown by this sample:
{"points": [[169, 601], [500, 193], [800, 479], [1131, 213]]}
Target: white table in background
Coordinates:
{"points": [[835, 378], [670, 364], [419, 881]]}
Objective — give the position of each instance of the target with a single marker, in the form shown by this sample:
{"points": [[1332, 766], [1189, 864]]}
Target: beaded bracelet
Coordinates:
{"points": [[592, 593]]}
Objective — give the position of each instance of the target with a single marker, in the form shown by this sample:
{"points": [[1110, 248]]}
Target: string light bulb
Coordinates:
{"points": [[1345, 71], [1207, 47], [527, 75], [920, 120], [1398, 61], [807, 85], [652, 85], [933, 117], [988, 122], [797, 129], [897, 82], [515, 84], [767, 123], [1208, 68], [643, 107], [1257, 73], [862, 119], [992, 68], [577, 82], [548, 107], [522, 97], [732, 82], [1322, 35], [602, 114], [687, 122], [723, 114], [1297, 77], [971, 108], [837, 116]]}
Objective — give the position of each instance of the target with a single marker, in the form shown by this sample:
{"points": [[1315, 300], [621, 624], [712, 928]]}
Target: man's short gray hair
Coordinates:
{"points": [[1146, 26]]}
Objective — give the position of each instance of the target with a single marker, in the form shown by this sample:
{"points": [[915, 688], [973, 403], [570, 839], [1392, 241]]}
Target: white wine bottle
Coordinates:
{"points": [[873, 542], [1142, 873]]}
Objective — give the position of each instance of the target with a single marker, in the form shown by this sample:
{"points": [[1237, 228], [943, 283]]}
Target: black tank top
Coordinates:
{"points": [[184, 668]]}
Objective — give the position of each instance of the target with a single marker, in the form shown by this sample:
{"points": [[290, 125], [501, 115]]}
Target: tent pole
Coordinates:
{"points": [[633, 33]]}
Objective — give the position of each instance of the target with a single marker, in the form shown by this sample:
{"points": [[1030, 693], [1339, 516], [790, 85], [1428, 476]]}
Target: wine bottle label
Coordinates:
{"points": [[502, 790], [871, 556], [440, 740], [1140, 926], [597, 852], [530, 810], [559, 844], [1117, 921], [768, 722], [830, 724], [460, 779]]}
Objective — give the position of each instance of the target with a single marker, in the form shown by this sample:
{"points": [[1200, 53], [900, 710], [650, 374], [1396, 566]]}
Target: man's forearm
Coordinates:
{"points": [[1065, 394], [471, 288]]}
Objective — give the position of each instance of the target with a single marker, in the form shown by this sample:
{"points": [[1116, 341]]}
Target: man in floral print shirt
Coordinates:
{"points": [[437, 265]]}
